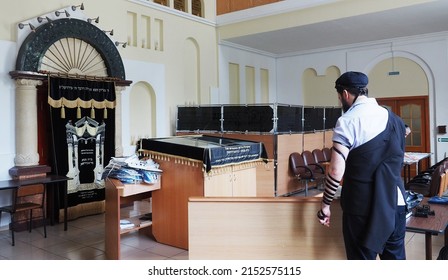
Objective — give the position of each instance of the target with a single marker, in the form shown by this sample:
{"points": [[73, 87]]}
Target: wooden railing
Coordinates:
{"points": [[263, 228]]}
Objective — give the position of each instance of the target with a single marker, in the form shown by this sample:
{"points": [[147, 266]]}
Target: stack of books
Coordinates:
{"points": [[125, 224]]}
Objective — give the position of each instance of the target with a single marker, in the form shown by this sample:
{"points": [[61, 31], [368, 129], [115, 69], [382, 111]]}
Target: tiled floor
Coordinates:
{"points": [[84, 240]]}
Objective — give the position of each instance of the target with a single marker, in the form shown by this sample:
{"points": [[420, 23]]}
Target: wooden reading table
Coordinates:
{"points": [[432, 225], [411, 158]]}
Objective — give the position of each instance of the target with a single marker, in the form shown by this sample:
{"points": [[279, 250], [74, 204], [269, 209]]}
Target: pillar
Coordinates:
{"points": [[26, 122], [118, 122], [188, 8]]}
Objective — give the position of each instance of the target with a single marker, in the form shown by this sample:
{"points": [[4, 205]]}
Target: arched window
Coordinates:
{"points": [[161, 2], [180, 5], [196, 8]]}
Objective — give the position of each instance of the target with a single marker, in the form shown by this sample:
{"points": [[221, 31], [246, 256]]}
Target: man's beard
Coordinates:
{"points": [[345, 105]]}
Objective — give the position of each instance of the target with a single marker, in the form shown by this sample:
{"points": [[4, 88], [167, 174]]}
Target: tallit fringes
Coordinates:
{"points": [[92, 113], [62, 112], [105, 113], [78, 112]]}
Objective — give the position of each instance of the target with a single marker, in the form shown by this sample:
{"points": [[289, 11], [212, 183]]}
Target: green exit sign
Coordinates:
{"points": [[442, 140]]}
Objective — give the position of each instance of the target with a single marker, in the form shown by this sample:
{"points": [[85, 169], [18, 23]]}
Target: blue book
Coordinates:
{"points": [[438, 200]]}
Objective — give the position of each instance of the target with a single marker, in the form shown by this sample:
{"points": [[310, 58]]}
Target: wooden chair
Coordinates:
{"points": [[300, 171], [317, 168], [303, 172], [429, 187], [26, 199], [319, 156], [327, 153], [443, 183]]}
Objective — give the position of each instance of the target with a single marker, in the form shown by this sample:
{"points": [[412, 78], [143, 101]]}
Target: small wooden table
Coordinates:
{"points": [[49, 180], [432, 225]]}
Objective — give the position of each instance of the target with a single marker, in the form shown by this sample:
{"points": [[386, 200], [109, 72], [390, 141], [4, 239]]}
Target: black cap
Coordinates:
{"points": [[352, 80]]}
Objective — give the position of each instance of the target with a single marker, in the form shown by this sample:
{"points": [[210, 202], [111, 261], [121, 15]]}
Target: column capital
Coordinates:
{"points": [[119, 89], [28, 82], [30, 159]]}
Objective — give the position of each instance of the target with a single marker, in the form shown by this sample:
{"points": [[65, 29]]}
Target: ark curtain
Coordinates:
{"points": [[83, 133]]}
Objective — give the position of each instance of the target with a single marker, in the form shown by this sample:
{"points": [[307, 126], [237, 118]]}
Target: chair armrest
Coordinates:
{"points": [[321, 168], [307, 170]]}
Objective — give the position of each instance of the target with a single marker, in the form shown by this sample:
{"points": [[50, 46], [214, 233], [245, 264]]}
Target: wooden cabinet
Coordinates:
{"points": [[236, 180], [184, 178], [118, 194], [197, 166]]}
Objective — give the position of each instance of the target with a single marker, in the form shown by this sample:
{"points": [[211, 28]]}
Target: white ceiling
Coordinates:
{"points": [[415, 20]]}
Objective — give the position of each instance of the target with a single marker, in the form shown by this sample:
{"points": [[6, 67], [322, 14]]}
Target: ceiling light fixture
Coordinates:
{"points": [[40, 19], [81, 7], [393, 72], [111, 32], [96, 20], [22, 25], [123, 44], [58, 13]]}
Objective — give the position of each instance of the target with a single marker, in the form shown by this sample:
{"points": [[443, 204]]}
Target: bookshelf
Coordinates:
{"points": [[118, 195]]}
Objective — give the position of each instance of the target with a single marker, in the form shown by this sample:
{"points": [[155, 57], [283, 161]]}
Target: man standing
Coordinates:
{"points": [[367, 153]]}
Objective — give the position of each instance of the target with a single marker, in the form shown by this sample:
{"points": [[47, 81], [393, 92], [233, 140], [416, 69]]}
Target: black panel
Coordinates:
{"points": [[199, 118], [256, 118], [313, 118], [289, 119], [248, 118], [213, 151], [331, 117]]}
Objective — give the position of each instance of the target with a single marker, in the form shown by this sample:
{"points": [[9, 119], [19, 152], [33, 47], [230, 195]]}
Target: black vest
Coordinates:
{"points": [[372, 174]]}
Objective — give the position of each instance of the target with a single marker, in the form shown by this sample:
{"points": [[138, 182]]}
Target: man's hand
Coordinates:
{"points": [[324, 215]]}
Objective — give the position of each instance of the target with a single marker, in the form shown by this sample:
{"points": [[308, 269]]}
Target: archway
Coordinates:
{"points": [[71, 49]]}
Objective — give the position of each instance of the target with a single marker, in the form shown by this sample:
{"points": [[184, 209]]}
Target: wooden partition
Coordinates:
{"points": [[262, 228], [286, 144], [313, 141], [328, 135]]}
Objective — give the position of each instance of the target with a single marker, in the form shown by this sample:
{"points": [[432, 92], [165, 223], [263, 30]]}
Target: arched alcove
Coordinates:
{"points": [[318, 90], [404, 82], [143, 113], [191, 71], [398, 76]]}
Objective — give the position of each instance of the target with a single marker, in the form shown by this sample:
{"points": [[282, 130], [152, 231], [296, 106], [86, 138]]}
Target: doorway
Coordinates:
{"points": [[414, 111]]}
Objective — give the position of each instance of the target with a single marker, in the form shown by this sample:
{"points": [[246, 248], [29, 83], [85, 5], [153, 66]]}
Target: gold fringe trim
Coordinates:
{"points": [[81, 103], [157, 156]]}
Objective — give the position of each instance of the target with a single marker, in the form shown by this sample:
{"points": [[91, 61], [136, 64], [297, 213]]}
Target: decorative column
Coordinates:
{"points": [[188, 8], [118, 122], [26, 122]]}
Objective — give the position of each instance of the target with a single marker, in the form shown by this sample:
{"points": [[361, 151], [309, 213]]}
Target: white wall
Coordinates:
{"points": [[7, 111], [430, 52], [245, 57], [153, 74]]}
